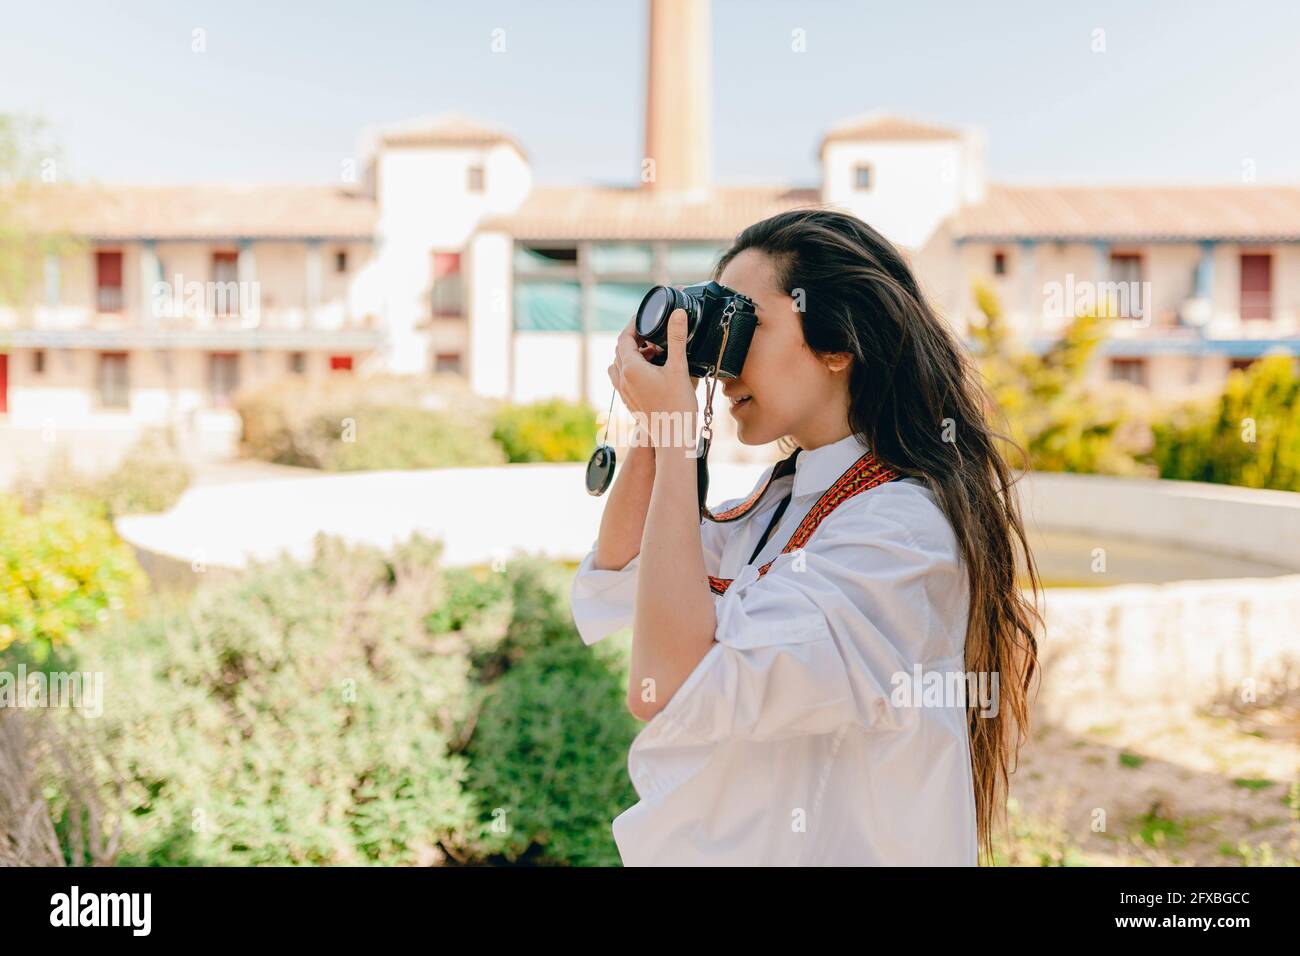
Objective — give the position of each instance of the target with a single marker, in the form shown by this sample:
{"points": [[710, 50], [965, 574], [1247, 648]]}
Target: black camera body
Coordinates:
{"points": [[719, 326]]}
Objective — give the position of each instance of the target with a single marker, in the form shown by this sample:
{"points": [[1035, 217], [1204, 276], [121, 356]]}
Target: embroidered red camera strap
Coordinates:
{"points": [[863, 475]]}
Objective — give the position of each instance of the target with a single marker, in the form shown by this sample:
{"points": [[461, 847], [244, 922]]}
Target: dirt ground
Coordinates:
{"points": [[1218, 788]]}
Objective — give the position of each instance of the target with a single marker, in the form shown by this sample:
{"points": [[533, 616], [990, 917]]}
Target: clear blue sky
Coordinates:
{"points": [[1184, 92]]}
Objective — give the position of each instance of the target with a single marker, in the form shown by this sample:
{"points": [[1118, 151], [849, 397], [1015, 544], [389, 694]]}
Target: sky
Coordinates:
{"points": [[1066, 92]]}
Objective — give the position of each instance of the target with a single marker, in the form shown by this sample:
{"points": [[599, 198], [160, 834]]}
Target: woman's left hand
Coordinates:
{"points": [[647, 388]]}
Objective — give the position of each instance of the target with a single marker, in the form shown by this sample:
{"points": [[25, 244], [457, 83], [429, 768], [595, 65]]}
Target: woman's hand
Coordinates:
{"points": [[646, 388]]}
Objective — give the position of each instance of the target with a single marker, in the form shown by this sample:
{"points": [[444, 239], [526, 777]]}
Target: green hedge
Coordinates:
{"points": [[366, 708], [347, 424], [546, 431]]}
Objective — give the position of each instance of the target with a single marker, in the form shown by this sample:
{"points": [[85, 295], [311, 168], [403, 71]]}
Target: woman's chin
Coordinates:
{"points": [[751, 433]]}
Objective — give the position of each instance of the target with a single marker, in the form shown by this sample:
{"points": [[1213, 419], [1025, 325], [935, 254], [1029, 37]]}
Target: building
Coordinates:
{"points": [[444, 257]]}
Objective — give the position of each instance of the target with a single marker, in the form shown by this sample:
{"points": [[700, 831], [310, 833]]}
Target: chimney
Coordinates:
{"points": [[678, 98]]}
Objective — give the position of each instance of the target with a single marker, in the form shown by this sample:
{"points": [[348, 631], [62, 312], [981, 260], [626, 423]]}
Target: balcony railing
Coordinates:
{"points": [[108, 298]]}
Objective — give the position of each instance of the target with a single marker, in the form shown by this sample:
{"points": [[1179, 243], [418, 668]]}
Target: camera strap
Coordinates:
{"points": [[706, 430], [864, 474]]}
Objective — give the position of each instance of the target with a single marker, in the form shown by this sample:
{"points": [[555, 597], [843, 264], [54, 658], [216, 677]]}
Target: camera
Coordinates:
{"points": [[719, 326]]}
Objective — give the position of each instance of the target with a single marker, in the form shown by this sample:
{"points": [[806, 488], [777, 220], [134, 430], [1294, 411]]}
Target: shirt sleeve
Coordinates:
{"points": [[817, 643], [603, 600]]}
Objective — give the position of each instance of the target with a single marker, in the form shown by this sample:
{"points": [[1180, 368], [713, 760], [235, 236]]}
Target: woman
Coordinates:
{"points": [[802, 665]]}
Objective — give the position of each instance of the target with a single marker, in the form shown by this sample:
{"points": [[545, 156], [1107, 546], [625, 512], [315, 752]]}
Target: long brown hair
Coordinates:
{"points": [[916, 397]]}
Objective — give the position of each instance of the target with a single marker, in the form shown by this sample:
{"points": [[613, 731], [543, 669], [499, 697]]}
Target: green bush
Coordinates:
{"points": [[546, 431], [1249, 436], [63, 571], [350, 424], [548, 759], [297, 715], [365, 708]]}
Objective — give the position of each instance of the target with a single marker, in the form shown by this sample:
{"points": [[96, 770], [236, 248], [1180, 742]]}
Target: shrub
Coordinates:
{"points": [[62, 571], [151, 477], [1249, 436], [367, 708], [349, 424], [297, 715], [1062, 422], [364, 708], [546, 431], [548, 759]]}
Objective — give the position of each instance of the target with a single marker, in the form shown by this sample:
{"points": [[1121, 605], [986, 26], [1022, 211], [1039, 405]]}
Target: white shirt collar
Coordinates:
{"points": [[816, 470]]}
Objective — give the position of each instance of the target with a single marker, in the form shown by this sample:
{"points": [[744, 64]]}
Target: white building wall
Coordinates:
{"points": [[915, 185], [426, 206], [547, 365], [489, 288]]}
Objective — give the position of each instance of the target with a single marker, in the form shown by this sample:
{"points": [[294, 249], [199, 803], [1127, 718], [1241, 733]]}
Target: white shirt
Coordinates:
{"points": [[797, 739]]}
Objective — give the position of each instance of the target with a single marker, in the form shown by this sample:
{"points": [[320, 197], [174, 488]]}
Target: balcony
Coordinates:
{"points": [[331, 325], [108, 298]]}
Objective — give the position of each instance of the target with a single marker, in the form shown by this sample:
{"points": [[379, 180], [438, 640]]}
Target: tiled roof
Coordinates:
{"points": [[886, 127], [447, 129], [193, 212], [589, 212], [1134, 213]]}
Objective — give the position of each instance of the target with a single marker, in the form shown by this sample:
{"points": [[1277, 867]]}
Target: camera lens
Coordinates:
{"points": [[654, 311]]}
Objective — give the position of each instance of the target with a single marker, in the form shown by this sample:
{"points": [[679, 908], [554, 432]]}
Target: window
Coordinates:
{"points": [[448, 299], [1125, 267], [475, 179], [1256, 287], [547, 306], [340, 363], [447, 362], [223, 378], [114, 387], [690, 262], [225, 275], [1131, 370], [38, 362], [862, 177], [535, 260], [615, 303], [297, 362], [341, 261], [108, 281], [1241, 364], [621, 257], [999, 263]]}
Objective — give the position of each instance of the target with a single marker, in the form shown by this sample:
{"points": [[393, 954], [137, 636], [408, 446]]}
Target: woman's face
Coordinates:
{"points": [[784, 388]]}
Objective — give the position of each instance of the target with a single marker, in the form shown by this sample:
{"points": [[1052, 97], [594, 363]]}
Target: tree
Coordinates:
{"points": [[1062, 422], [1249, 435]]}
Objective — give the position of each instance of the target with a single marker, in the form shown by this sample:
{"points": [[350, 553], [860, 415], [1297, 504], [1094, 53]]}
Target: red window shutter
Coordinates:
{"points": [[108, 270], [342, 363], [1256, 286], [446, 264]]}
